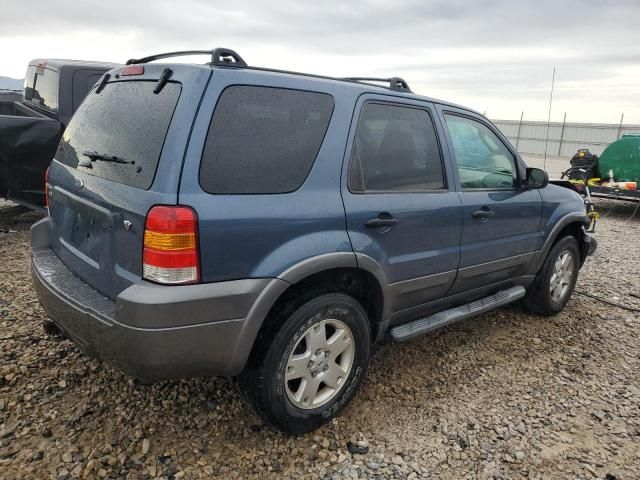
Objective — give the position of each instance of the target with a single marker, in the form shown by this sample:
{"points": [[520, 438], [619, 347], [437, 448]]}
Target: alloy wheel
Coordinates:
{"points": [[319, 364], [561, 276]]}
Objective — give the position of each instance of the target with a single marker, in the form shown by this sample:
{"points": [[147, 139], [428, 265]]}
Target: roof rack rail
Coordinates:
{"points": [[219, 56], [395, 83]]}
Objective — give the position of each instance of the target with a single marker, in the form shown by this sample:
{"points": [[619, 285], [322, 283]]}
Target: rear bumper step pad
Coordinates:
{"points": [[410, 330]]}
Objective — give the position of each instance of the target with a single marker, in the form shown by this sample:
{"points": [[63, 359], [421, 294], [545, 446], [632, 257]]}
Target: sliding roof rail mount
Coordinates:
{"points": [[219, 56], [395, 83]]}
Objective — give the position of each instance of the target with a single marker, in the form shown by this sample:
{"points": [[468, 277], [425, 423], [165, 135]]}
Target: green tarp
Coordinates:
{"points": [[623, 158]]}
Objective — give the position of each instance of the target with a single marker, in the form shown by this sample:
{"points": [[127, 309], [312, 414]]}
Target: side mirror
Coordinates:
{"points": [[536, 178]]}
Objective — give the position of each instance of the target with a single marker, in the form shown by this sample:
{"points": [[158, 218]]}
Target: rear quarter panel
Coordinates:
{"points": [[251, 236]]}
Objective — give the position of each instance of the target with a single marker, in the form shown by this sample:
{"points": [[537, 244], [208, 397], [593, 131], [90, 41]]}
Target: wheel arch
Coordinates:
{"points": [[572, 224], [334, 264], [338, 272]]}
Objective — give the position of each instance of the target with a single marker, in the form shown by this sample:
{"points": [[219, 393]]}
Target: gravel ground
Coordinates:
{"points": [[504, 395]]}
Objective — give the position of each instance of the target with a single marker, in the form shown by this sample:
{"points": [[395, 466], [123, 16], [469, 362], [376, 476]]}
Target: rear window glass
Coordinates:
{"points": [[126, 120], [41, 87], [263, 140]]}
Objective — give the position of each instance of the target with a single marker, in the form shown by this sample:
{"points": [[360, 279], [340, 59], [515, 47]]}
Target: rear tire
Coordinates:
{"points": [[554, 284], [305, 372]]}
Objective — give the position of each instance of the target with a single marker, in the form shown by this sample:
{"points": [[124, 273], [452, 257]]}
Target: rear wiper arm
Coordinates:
{"points": [[93, 156]]}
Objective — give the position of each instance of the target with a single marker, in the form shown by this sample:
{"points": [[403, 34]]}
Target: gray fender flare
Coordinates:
{"points": [[374, 268], [277, 286], [330, 261], [360, 261]]}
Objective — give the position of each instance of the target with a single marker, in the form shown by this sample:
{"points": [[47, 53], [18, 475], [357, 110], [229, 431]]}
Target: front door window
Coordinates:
{"points": [[484, 162]]}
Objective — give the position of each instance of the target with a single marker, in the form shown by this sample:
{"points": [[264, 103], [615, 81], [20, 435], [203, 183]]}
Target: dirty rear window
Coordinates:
{"points": [[125, 120]]}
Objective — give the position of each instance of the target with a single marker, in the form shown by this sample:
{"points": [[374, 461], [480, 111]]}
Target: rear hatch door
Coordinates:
{"points": [[121, 154]]}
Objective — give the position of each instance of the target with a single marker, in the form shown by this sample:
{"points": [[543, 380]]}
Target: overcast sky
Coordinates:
{"points": [[492, 55]]}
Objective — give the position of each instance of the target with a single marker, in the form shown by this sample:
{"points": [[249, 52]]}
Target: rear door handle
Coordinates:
{"points": [[384, 219], [484, 213]]}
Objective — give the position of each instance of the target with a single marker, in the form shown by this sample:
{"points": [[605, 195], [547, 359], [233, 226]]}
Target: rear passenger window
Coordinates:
{"points": [[395, 149], [263, 140]]}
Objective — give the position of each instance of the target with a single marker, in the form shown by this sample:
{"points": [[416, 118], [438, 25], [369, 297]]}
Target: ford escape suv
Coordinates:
{"points": [[221, 219]]}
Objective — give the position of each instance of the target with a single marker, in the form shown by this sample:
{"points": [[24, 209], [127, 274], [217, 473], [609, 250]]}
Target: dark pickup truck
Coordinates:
{"points": [[10, 95], [31, 127]]}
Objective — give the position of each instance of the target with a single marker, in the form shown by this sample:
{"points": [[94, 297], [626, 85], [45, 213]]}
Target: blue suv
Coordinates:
{"points": [[222, 219]]}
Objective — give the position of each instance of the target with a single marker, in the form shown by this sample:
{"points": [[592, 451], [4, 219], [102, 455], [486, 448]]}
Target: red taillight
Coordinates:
{"points": [[170, 252], [132, 70], [46, 188]]}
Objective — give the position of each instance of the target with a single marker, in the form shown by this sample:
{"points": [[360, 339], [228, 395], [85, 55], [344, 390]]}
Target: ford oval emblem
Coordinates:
{"points": [[78, 183]]}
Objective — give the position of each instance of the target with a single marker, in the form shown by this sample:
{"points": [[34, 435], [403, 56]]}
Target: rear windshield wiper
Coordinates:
{"points": [[93, 156]]}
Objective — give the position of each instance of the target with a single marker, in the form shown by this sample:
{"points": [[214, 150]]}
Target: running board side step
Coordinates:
{"points": [[410, 330]]}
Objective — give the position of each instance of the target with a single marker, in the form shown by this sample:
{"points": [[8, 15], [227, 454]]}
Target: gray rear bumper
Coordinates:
{"points": [[155, 332]]}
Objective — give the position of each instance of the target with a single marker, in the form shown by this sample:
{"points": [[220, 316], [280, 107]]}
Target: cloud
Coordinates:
{"points": [[359, 27], [478, 51]]}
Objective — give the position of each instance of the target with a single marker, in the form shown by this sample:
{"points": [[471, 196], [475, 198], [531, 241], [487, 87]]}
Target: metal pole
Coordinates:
{"points": [[620, 126], [564, 120], [519, 127], [546, 140]]}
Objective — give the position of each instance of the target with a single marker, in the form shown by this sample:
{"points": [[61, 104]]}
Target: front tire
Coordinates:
{"points": [[554, 284], [305, 372]]}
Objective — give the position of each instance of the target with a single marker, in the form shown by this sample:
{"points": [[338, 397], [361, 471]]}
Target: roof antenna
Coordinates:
{"points": [[546, 140]]}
